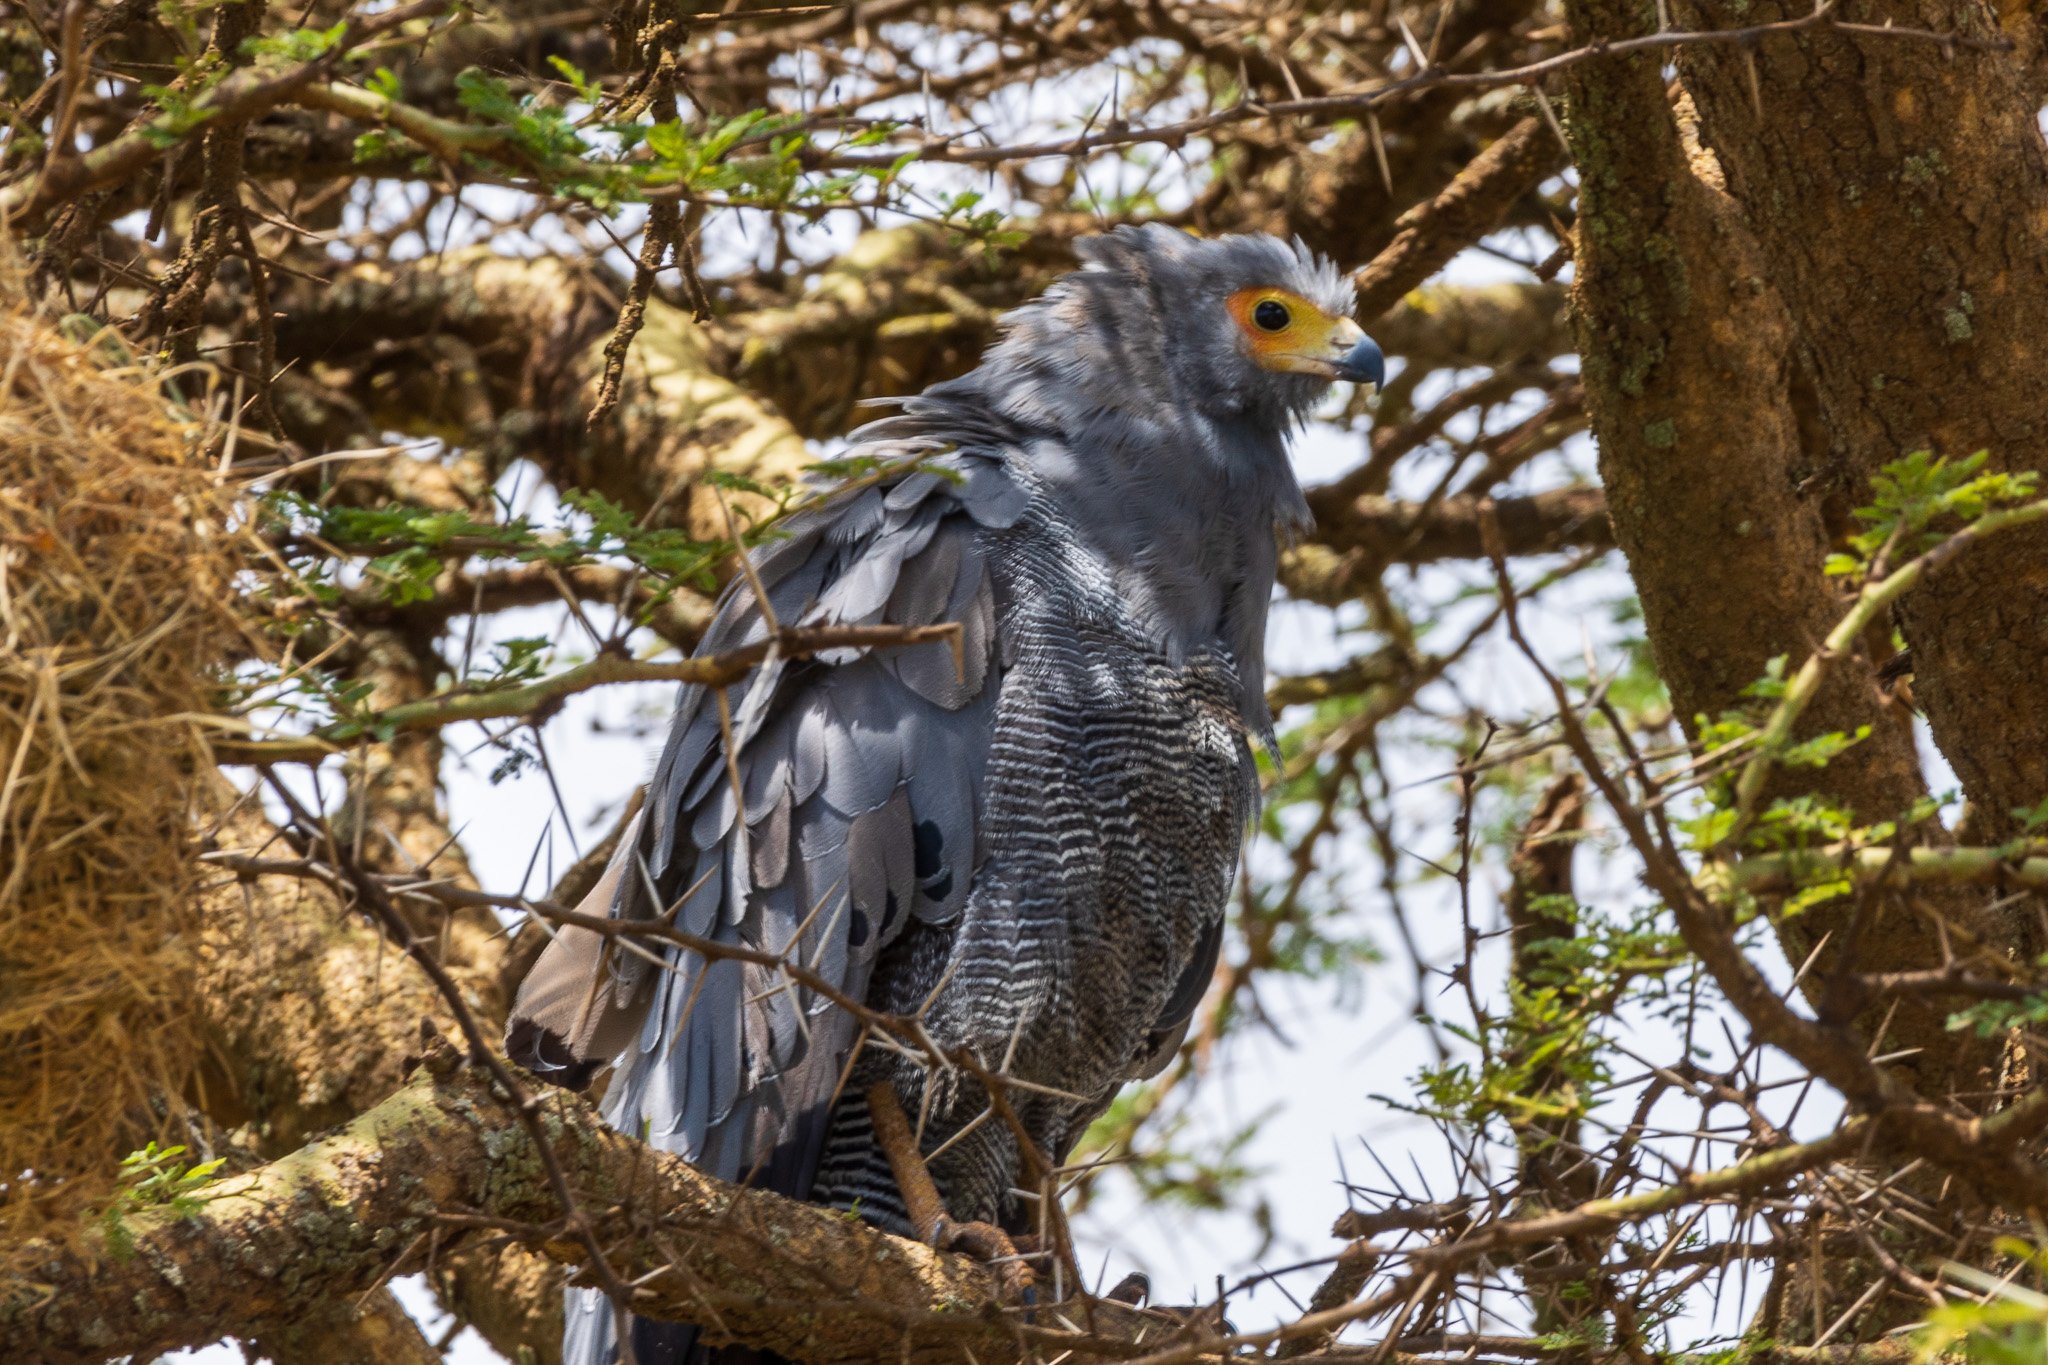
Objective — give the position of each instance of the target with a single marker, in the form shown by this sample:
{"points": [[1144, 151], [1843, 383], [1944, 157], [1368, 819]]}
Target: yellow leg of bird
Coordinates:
{"points": [[928, 1216]]}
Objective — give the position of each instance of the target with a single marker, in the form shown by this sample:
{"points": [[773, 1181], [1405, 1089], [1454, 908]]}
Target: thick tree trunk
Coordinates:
{"points": [[1867, 238], [1899, 190], [1691, 366], [309, 1011]]}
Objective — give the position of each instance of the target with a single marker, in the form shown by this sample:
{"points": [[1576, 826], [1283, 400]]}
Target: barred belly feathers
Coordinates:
{"points": [[1033, 844]]}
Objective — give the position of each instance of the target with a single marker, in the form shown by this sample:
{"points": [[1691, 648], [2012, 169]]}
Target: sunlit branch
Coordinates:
{"points": [[533, 700]]}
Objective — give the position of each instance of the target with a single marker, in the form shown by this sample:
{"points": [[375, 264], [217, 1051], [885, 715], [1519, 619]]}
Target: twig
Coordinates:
{"points": [[526, 700]]}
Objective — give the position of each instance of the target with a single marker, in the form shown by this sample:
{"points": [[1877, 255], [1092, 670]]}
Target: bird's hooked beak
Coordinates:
{"points": [[1327, 347], [1360, 361]]}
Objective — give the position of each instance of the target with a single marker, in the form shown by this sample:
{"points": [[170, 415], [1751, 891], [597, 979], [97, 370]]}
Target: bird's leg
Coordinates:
{"points": [[920, 1196], [928, 1216]]}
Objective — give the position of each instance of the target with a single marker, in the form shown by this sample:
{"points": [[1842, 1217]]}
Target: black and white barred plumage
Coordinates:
{"points": [[1038, 842]]}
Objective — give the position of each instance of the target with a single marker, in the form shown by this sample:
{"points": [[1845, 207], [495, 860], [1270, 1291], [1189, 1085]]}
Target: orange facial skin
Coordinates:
{"points": [[1309, 341]]}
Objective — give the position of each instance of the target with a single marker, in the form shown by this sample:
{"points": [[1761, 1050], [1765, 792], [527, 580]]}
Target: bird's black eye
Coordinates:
{"points": [[1271, 315]]}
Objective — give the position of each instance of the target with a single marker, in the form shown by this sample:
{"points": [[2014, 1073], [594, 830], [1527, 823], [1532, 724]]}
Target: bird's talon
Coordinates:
{"points": [[987, 1243], [1132, 1289]]}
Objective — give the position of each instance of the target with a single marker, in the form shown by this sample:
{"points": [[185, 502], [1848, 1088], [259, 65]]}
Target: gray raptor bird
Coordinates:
{"points": [[1037, 840]]}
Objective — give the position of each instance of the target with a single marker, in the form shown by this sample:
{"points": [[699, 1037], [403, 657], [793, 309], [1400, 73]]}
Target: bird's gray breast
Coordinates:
{"points": [[1118, 790]]}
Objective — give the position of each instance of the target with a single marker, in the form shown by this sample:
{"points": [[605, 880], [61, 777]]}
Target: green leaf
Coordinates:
{"points": [[485, 95], [295, 46], [1771, 686], [668, 141], [1707, 831], [375, 145], [1817, 894], [1816, 752], [586, 90], [1911, 494]]}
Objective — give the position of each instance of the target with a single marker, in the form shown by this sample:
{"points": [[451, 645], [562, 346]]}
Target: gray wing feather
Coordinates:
{"points": [[862, 765], [910, 490], [919, 598], [860, 778], [807, 748], [931, 670], [771, 845]]}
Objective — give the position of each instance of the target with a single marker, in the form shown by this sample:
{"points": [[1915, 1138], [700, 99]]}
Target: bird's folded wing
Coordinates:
{"points": [[844, 806]]}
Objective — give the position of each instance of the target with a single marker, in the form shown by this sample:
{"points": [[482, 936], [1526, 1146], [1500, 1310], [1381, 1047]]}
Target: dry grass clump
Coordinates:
{"points": [[114, 602]]}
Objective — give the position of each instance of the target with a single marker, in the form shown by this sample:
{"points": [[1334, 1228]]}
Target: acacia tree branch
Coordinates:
{"points": [[2021, 866], [308, 1009], [1393, 531], [1983, 1152], [525, 1105], [242, 96], [1876, 598], [311, 1013], [447, 1154], [676, 614], [536, 699], [1753, 1175], [1358, 102], [1427, 236]]}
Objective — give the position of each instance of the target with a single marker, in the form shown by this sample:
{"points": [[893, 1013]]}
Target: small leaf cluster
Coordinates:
{"points": [[408, 545], [395, 555], [757, 159], [1989, 1018], [294, 46], [962, 212], [1918, 500], [181, 113], [1786, 823], [542, 138], [154, 1178], [398, 553], [1541, 1061]]}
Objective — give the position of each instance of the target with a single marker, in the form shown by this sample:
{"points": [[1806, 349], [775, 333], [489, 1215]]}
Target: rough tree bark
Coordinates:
{"points": [[309, 1010], [337, 1216], [1860, 263], [311, 1015], [1691, 363], [1903, 216]]}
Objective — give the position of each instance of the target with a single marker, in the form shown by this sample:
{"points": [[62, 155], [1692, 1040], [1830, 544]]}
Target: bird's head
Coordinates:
{"points": [[1286, 331], [1238, 327], [1164, 345]]}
